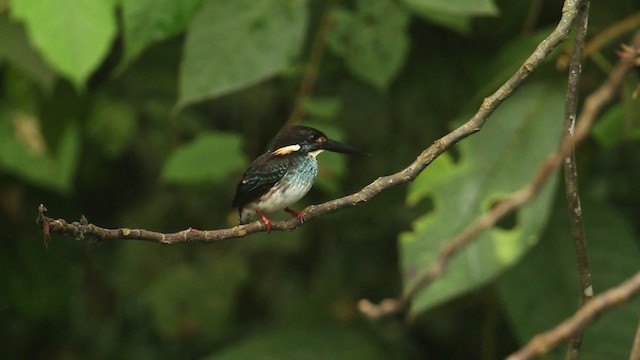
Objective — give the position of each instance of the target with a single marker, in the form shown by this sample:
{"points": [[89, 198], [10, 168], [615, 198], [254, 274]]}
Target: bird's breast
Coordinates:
{"points": [[294, 185]]}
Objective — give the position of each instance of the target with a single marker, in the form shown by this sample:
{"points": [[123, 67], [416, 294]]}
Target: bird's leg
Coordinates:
{"points": [[297, 214], [265, 220]]}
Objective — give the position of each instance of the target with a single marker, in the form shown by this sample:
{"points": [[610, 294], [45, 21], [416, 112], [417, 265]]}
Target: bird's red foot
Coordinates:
{"points": [[265, 220], [297, 214]]}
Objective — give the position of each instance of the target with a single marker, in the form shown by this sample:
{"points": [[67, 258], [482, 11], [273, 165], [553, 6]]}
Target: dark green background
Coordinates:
{"points": [[144, 114]]}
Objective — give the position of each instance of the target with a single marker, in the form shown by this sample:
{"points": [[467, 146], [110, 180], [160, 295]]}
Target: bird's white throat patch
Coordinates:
{"points": [[286, 150], [315, 153]]}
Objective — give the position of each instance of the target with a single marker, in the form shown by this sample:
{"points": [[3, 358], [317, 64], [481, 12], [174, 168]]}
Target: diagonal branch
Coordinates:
{"points": [[489, 105], [614, 297], [591, 108]]}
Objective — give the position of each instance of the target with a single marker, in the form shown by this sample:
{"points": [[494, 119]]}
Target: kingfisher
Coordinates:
{"points": [[284, 174]]}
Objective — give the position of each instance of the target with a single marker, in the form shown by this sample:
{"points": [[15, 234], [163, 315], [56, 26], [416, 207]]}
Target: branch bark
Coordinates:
{"points": [[79, 229], [571, 175]]}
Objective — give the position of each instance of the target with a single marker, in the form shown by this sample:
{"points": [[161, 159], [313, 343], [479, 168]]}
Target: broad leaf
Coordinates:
{"points": [[234, 44], [494, 163], [549, 269], [73, 35], [373, 40], [210, 157], [149, 21]]}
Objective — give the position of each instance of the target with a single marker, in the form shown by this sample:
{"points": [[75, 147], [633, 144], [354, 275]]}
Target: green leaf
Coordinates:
{"points": [[147, 22], [210, 157], [543, 289], [72, 35], [454, 14], [234, 44], [17, 49], [24, 152], [310, 344], [373, 40], [494, 163]]}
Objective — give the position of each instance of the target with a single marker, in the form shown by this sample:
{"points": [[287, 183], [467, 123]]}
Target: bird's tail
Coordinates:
{"points": [[245, 215]]}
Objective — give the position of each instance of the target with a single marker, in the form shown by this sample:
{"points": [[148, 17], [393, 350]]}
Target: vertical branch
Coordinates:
{"points": [[313, 65], [571, 174]]}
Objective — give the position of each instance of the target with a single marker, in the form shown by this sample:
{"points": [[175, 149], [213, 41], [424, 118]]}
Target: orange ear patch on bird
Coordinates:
{"points": [[286, 150]]}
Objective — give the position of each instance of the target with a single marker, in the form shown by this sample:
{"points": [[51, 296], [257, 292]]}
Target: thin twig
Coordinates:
{"points": [[614, 297], [489, 105], [46, 233], [592, 106], [571, 175]]}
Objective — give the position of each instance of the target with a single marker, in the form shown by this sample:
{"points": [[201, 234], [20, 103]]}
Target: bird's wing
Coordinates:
{"points": [[259, 178]]}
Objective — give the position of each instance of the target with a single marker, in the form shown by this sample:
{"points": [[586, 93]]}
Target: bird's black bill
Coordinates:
{"points": [[336, 146]]}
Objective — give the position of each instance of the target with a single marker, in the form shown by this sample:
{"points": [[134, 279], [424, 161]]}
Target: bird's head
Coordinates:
{"points": [[307, 140]]}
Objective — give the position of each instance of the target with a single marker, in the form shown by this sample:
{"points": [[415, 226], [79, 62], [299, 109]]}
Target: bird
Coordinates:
{"points": [[284, 174]]}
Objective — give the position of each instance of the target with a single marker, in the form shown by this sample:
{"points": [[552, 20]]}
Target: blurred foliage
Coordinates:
{"points": [[140, 113], [371, 39]]}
